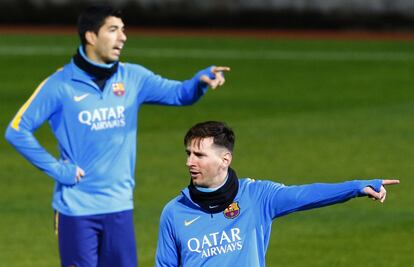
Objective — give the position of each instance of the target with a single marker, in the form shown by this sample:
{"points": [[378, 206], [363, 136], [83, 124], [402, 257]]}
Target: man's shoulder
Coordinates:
{"points": [[249, 184], [172, 204], [56, 79], [61, 73], [132, 67], [171, 207]]}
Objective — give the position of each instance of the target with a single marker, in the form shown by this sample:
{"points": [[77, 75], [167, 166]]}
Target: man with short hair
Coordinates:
{"points": [[221, 220], [92, 105]]}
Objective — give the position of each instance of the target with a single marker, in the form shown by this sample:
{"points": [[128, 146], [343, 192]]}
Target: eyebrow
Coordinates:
{"points": [[114, 26], [194, 152]]}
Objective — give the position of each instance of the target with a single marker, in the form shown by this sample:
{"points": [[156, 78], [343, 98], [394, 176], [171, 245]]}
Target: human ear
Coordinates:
{"points": [[227, 158], [91, 37]]}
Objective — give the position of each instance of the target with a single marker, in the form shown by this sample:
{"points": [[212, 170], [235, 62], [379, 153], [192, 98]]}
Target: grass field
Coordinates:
{"points": [[303, 110]]}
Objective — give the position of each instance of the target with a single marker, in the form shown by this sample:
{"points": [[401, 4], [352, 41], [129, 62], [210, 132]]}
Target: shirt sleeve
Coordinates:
{"points": [[279, 200], [167, 248], [37, 109], [158, 90]]}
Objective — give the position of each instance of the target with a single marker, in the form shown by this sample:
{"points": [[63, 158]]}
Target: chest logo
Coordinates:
{"points": [[80, 97], [187, 223], [118, 89], [232, 211]]}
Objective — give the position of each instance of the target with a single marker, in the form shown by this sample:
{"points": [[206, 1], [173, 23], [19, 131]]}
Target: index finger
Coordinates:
{"points": [[387, 182], [220, 68]]}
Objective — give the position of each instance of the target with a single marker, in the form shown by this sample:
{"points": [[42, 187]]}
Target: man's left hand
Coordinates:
{"points": [[371, 193]]}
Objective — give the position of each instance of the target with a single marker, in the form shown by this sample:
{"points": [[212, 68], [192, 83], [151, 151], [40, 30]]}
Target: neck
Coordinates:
{"points": [[91, 58], [213, 188], [219, 200], [100, 72]]}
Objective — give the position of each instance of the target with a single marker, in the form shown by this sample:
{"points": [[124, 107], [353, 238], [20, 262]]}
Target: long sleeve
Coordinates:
{"points": [[279, 200], [37, 109], [158, 90]]}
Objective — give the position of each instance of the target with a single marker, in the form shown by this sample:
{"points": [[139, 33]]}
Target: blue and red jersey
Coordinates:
{"points": [[95, 130], [239, 236]]}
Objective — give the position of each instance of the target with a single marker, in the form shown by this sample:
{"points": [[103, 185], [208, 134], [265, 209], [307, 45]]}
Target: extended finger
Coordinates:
{"points": [[390, 182], [220, 69]]}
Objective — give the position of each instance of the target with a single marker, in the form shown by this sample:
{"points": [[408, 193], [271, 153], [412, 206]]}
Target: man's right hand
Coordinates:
{"points": [[79, 174], [69, 173], [216, 78]]}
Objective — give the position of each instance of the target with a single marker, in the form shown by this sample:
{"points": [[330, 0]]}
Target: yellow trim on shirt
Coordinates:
{"points": [[16, 120], [56, 224]]}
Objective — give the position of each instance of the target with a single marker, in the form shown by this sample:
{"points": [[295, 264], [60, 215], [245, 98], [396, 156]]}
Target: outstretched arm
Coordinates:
{"points": [[162, 91], [279, 200]]}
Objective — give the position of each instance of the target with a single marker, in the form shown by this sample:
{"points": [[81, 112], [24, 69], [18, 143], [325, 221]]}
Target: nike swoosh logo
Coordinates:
{"points": [[80, 98], [187, 223]]}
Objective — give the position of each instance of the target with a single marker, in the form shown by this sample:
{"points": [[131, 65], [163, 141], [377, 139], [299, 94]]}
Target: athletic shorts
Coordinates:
{"points": [[105, 240]]}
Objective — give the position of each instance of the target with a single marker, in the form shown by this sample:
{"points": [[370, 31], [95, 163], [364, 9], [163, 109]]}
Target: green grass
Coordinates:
{"points": [[303, 111]]}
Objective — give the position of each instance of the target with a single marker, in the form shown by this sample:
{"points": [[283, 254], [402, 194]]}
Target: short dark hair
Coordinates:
{"points": [[222, 134], [93, 17]]}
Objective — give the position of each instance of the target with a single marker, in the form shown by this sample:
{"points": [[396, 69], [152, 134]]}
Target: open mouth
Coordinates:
{"points": [[117, 49], [194, 174]]}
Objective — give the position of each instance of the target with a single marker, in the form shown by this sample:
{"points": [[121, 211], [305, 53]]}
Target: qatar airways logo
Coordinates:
{"points": [[216, 243], [103, 118]]}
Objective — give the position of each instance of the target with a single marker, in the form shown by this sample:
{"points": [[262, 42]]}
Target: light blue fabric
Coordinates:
{"points": [[189, 237], [95, 130]]}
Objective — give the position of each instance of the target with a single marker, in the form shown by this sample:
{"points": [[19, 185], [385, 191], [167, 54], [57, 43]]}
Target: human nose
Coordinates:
{"points": [[190, 161], [122, 36]]}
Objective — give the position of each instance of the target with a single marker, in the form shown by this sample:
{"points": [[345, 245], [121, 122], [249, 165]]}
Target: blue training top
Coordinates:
{"points": [[96, 130], [239, 236]]}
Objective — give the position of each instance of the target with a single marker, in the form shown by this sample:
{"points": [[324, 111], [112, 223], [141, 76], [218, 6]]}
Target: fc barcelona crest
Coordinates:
{"points": [[232, 211], [118, 89]]}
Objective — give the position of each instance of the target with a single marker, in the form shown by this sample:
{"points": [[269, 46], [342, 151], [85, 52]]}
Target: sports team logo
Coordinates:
{"points": [[118, 89], [232, 211]]}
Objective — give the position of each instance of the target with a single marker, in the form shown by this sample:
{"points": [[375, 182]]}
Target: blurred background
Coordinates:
{"points": [[319, 91], [332, 14]]}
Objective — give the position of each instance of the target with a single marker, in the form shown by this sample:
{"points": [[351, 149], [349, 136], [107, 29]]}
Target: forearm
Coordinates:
{"points": [[27, 145], [192, 90], [295, 198], [158, 90]]}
